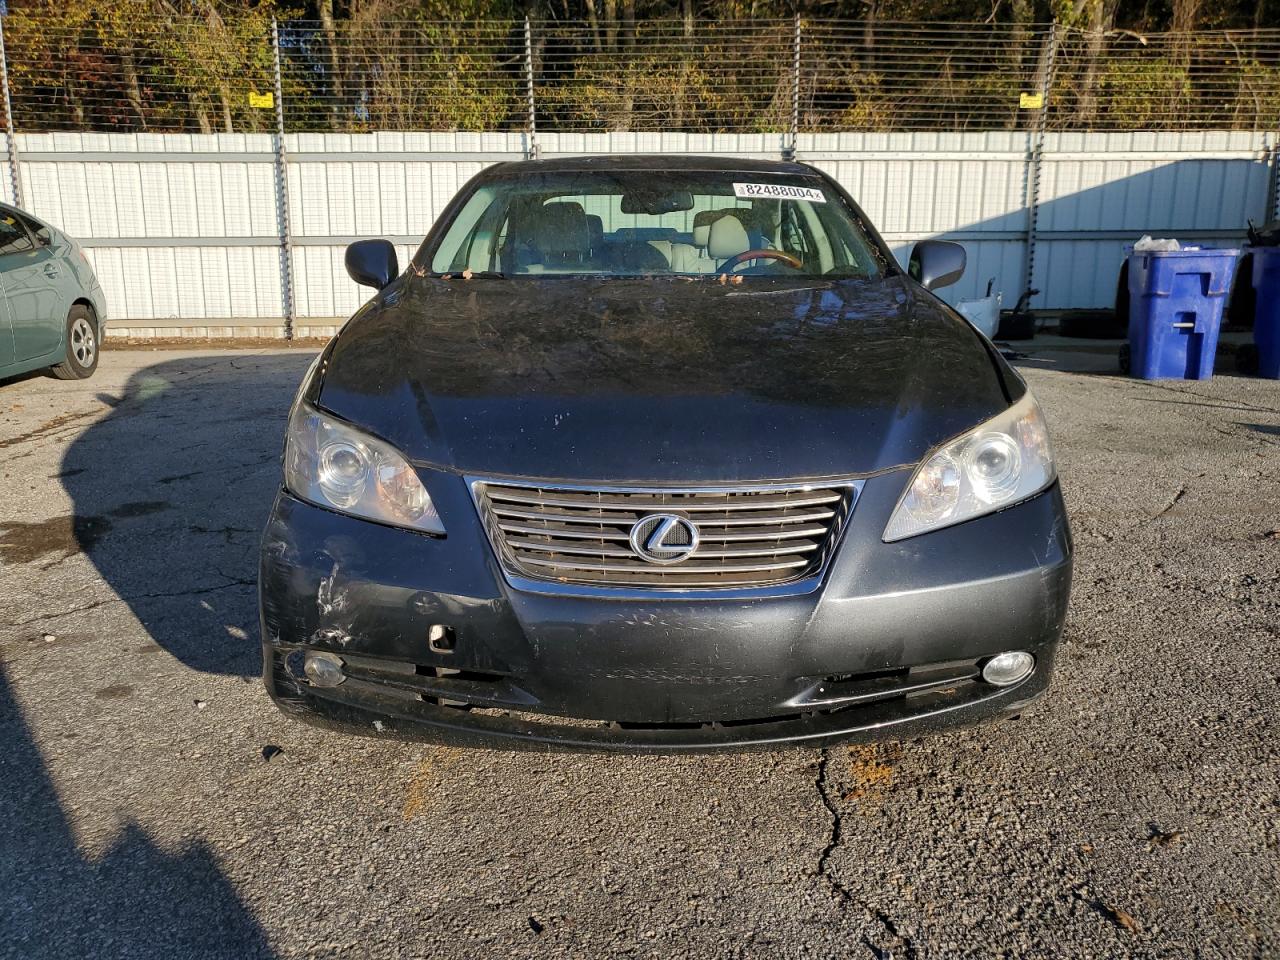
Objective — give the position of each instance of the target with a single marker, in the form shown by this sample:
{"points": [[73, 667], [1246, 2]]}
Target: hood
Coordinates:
{"points": [[661, 380]]}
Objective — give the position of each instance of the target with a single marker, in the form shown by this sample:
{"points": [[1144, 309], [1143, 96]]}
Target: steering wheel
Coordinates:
{"points": [[794, 262]]}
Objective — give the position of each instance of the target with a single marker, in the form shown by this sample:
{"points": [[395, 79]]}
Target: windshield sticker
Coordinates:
{"points": [[779, 191]]}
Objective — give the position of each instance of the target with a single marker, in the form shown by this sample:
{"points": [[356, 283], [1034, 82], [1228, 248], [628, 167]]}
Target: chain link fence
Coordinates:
{"points": [[208, 74]]}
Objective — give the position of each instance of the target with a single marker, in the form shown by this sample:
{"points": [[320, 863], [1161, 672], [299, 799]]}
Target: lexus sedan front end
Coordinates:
{"points": [[661, 454]]}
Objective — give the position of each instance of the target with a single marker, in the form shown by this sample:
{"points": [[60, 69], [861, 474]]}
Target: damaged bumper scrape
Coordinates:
{"points": [[435, 644]]}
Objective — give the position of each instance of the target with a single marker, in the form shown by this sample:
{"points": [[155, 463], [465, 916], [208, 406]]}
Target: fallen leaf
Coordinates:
{"points": [[871, 770], [426, 791], [1163, 838], [1121, 918]]}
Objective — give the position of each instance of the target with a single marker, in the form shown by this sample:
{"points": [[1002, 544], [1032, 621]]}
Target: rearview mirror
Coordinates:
{"points": [[654, 203], [936, 263], [372, 263]]}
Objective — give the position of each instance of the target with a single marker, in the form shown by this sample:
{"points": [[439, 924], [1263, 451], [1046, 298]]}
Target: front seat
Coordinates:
{"points": [[692, 258], [727, 239], [558, 240], [596, 226]]}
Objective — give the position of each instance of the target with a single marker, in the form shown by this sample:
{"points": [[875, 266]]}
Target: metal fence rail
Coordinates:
{"points": [[207, 74], [217, 168], [402, 75], [67, 72], [1208, 80], [899, 76], [670, 75]]}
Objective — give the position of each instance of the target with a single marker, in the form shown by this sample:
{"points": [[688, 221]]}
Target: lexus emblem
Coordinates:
{"points": [[664, 538]]}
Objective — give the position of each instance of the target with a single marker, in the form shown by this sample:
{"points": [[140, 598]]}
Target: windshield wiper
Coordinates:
{"points": [[463, 275]]}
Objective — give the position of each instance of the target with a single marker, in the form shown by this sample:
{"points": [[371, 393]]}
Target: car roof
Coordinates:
{"points": [[656, 162]]}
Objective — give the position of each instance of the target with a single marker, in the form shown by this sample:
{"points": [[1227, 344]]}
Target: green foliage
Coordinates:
{"points": [[414, 74], [134, 64], [1143, 94], [1257, 96], [192, 65], [657, 93]]}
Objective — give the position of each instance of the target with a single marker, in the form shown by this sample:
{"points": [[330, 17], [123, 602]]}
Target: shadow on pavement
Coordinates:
{"points": [[1263, 428], [135, 901], [171, 491]]}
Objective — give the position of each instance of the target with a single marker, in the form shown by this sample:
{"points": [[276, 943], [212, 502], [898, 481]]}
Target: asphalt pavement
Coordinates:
{"points": [[153, 802]]}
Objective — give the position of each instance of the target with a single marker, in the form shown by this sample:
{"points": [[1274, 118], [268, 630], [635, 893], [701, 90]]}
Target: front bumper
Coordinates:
{"points": [[889, 645]]}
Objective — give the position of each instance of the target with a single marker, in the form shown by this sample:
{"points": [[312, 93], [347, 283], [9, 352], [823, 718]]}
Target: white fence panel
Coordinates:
{"points": [[184, 228], [967, 187], [1100, 192]]}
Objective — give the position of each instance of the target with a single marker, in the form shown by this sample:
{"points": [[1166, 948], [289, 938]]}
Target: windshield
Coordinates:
{"points": [[651, 222]]}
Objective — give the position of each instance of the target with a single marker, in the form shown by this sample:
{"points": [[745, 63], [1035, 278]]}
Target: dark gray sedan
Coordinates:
{"points": [[663, 454]]}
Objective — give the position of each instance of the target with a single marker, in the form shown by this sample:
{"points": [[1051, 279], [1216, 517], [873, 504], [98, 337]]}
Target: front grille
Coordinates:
{"points": [[746, 537]]}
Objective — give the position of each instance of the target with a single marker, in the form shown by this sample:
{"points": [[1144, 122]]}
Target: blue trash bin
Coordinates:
{"points": [[1266, 312], [1176, 298]]}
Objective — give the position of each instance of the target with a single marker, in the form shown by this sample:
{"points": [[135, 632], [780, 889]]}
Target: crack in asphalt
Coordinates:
{"points": [[1177, 497], [66, 422], [839, 890], [837, 827], [1207, 400], [137, 596]]}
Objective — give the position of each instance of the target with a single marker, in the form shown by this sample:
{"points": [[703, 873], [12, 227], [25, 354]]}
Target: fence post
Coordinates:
{"points": [[789, 151], [282, 194], [1037, 153], [528, 76], [15, 174], [1275, 176]]}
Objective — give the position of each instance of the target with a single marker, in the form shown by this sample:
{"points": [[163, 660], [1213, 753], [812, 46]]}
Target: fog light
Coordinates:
{"points": [[1006, 669], [324, 669]]}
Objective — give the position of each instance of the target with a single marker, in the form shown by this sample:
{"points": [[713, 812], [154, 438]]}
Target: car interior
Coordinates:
{"points": [[533, 233], [559, 236]]}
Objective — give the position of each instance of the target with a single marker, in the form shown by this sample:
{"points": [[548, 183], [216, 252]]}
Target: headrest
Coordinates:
{"points": [[702, 225], [728, 238], [561, 233], [595, 228]]}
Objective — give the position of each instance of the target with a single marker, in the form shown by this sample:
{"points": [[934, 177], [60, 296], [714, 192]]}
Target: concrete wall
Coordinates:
{"points": [[183, 229]]}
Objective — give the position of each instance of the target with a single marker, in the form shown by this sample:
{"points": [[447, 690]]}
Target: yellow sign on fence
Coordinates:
{"points": [[1030, 101], [262, 101]]}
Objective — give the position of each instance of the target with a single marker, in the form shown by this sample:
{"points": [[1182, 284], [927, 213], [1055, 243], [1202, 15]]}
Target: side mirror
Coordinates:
{"points": [[936, 263], [372, 263]]}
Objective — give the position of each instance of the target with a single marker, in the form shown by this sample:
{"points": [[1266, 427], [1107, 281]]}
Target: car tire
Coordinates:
{"points": [[82, 350]]}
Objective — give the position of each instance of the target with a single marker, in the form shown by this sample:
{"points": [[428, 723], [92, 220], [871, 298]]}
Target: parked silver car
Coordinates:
{"points": [[53, 305]]}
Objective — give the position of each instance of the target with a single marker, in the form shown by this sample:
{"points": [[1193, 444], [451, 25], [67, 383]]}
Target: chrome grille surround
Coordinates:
{"points": [[755, 540]]}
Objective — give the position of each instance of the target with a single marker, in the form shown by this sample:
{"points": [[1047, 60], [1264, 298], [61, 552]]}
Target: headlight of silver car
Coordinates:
{"points": [[334, 465], [995, 465]]}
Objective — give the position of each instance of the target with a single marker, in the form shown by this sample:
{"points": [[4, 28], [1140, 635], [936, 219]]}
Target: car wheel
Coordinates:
{"points": [[1125, 361], [82, 346]]}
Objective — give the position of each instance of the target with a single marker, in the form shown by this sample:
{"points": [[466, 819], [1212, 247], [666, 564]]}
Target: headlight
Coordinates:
{"points": [[334, 465], [991, 467]]}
